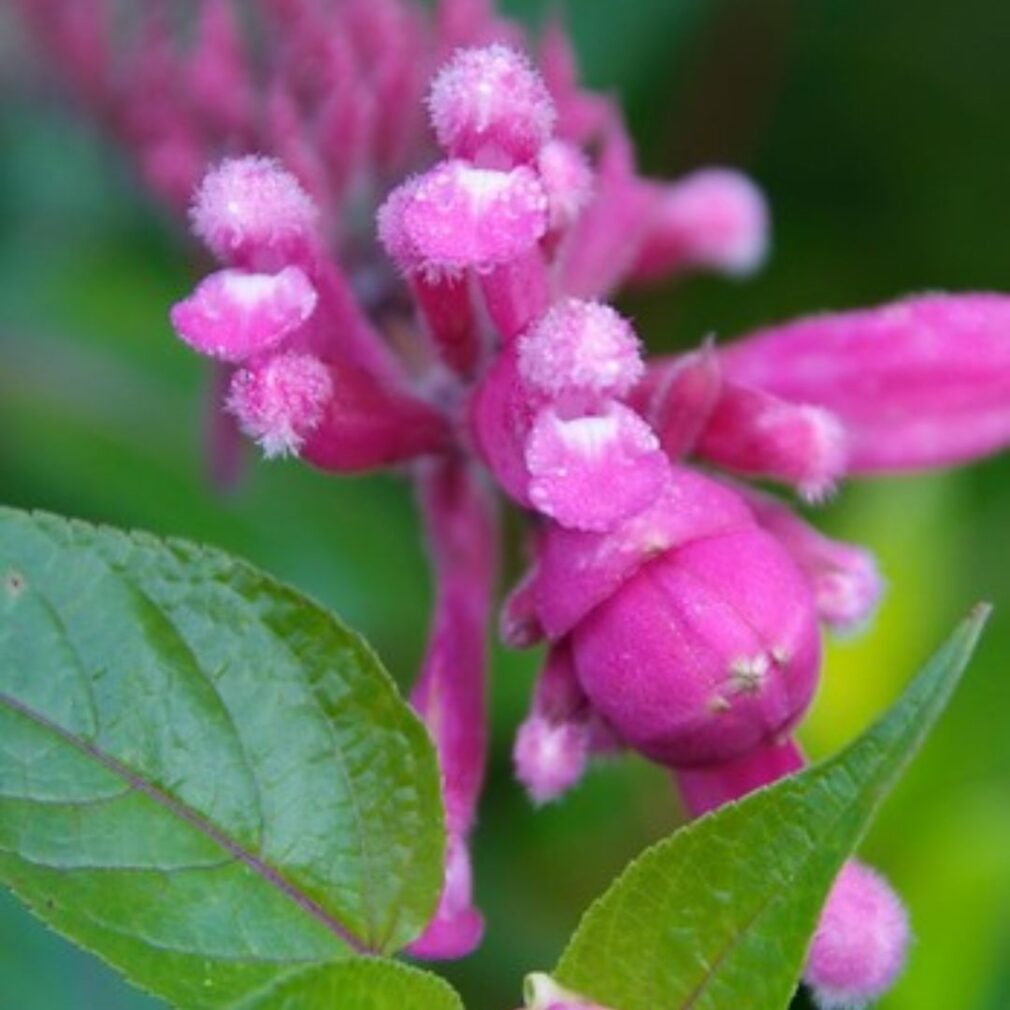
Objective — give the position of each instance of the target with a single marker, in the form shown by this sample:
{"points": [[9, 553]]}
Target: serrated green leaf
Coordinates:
{"points": [[720, 915], [205, 778], [359, 984]]}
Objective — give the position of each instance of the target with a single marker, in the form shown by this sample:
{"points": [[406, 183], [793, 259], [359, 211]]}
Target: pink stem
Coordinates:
{"points": [[461, 527]]}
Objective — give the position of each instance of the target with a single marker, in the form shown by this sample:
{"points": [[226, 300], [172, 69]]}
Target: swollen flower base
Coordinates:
{"points": [[454, 323]]}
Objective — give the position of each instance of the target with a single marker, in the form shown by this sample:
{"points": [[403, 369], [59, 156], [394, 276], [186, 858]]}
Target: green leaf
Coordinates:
{"points": [[720, 915], [205, 778], [361, 984]]}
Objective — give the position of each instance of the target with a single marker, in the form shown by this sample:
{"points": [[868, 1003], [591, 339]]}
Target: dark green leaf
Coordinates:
{"points": [[719, 916], [204, 777]]}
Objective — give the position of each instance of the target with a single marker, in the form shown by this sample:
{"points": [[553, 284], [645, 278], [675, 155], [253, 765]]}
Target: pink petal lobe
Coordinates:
{"points": [[592, 472], [234, 315]]}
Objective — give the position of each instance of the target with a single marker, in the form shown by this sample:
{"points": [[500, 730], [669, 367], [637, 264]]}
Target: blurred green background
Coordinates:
{"points": [[879, 130]]}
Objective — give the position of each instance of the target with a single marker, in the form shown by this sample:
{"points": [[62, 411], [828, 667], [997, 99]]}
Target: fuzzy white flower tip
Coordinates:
{"points": [[491, 97], [549, 757], [281, 401], [581, 347], [251, 204], [861, 942]]}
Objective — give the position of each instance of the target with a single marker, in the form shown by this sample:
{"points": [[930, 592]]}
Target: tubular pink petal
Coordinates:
{"points": [[756, 433], [491, 102], [367, 425], [845, 578], [250, 207], [918, 383], [339, 419], [234, 315], [578, 571], [580, 350], [593, 472], [678, 397], [281, 401], [860, 945], [517, 292], [500, 417], [218, 75], [461, 527], [599, 250], [708, 787], [714, 219], [447, 307], [457, 926], [518, 624]]}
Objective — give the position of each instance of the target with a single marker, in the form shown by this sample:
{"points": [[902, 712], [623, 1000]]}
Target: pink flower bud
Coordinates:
{"points": [[249, 209], [678, 397], [860, 945], [921, 382], [280, 402], [710, 650], [567, 180], [591, 472], [714, 219], [581, 351], [845, 578], [488, 101], [553, 744], [233, 315], [758, 434]]}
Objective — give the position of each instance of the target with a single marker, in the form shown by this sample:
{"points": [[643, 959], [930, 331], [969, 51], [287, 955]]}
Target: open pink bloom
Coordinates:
{"points": [[432, 296]]}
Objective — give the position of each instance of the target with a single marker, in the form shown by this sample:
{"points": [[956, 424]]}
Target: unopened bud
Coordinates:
{"points": [[860, 944], [491, 99], [250, 208]]}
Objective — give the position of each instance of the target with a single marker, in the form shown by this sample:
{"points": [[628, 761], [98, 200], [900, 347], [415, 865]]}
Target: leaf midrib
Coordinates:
{"points": [[195, 820]]}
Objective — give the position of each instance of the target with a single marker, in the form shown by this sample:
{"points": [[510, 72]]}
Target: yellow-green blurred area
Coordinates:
{"points": [[879, 129]]}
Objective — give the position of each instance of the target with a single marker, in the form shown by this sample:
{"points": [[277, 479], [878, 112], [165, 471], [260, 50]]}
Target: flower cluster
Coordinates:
{"points": [[473, 346]]}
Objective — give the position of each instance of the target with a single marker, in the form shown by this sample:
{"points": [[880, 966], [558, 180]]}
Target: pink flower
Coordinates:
{"points": [[433, 296]]}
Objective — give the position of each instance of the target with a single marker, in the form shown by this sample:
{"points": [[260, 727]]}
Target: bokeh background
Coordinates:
{"points": [[879, 130]]}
